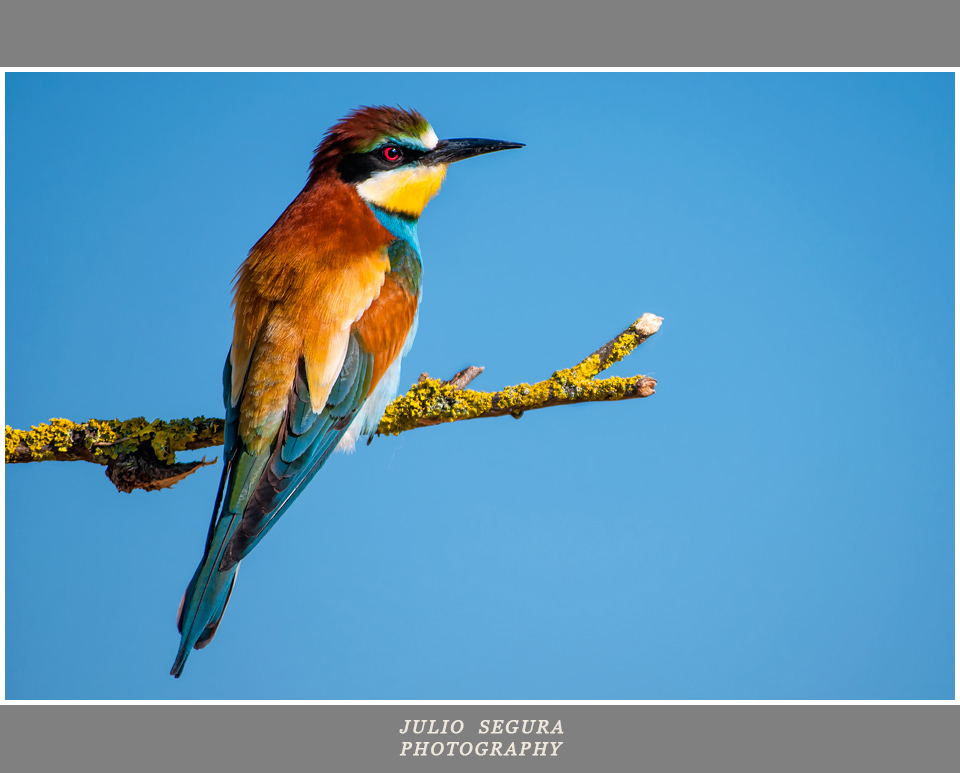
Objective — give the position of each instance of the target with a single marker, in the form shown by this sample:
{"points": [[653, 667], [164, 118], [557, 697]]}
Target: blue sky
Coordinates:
{"points": [[777, 522]]}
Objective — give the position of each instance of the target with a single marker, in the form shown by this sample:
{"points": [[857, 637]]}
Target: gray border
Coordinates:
{"points": [[510, 33], [57, 33], [685, 739]]}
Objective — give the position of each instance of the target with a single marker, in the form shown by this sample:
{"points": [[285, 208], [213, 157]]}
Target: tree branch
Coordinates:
{"points": [[142, 454]]}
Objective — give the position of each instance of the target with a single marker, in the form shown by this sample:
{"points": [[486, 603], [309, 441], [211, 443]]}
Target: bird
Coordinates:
{"points": [[326, 303]]}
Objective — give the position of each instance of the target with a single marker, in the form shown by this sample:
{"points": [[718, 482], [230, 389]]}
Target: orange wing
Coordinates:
{"points": [[305, 284], [384, 327]]}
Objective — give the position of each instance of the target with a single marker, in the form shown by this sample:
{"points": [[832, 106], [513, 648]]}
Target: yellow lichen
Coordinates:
{"points": [[43, 441], [432, 399], [620, 347], [13, 440], [107, 439]]}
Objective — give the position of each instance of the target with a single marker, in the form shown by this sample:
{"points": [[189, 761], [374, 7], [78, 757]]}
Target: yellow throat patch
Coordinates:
{"points": [[406, 190]]}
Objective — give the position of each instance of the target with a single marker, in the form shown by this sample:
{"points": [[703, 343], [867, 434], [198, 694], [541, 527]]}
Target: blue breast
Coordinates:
{"points": [[404, 251]]}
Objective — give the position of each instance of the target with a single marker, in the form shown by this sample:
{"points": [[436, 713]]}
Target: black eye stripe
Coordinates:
{"points": [[357, 167], [407, 154]]}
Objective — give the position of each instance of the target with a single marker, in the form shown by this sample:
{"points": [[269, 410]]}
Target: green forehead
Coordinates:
{"points": [[410, 138]]}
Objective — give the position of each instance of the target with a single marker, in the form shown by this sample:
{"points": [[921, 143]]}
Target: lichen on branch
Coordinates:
{"points": [[142, 454]]}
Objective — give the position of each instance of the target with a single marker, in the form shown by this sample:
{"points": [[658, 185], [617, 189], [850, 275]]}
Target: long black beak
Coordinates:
{"points": [[448, 151]]}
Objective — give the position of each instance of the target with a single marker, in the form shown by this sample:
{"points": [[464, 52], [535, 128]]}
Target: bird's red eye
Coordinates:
{"points": [[391, 153]]}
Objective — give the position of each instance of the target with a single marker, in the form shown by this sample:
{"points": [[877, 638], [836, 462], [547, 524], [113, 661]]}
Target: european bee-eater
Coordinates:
{"points": [[325, 305]]}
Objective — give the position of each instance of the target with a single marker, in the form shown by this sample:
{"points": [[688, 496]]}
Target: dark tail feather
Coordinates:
{"points": [[210, 631], [206, 597]]}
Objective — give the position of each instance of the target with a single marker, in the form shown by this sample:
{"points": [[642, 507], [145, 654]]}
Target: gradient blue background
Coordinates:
{"points": [[777, 522]]}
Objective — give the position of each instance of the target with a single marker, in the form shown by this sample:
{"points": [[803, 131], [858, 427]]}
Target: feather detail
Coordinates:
{"points": [[383, 329], [360, 129], [305, 282], [324, 246]]}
